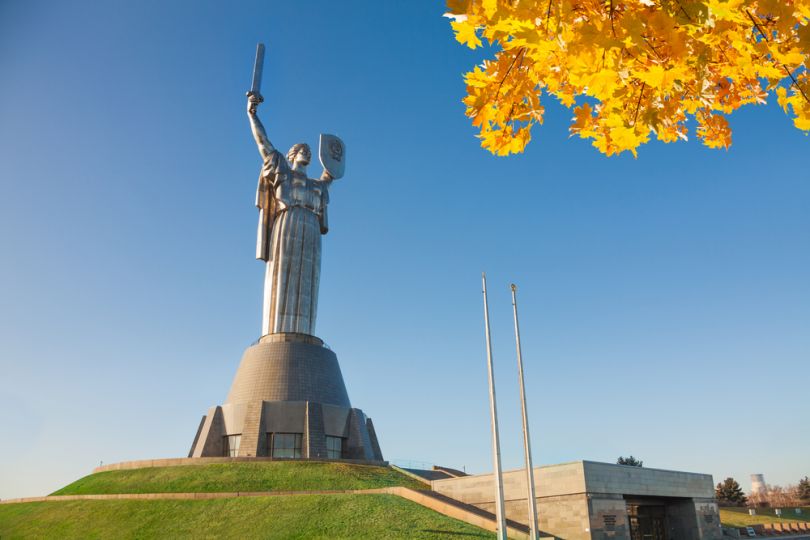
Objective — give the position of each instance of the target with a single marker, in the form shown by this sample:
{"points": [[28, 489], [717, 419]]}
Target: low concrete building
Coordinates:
{"points": [[585, 500]]}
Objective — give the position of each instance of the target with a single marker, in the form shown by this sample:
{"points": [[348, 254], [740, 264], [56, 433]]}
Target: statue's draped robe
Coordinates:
{"points": [[292, 210]]}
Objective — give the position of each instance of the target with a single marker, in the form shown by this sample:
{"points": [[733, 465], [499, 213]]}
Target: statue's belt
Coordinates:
{"points": [[312, 209]]}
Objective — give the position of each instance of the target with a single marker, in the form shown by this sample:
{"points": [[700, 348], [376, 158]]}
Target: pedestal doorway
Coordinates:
{"points": [[647, 522]]}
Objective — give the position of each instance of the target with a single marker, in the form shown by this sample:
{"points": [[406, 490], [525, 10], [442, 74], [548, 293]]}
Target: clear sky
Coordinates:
{"points": [[665, 301]]}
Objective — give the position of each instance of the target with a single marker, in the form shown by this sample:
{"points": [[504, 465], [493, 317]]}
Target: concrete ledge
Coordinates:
{"points": [[291, 337], [179, 462]]}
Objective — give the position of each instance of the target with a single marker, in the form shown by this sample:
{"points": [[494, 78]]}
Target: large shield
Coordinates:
{"points": [[332, 153]]}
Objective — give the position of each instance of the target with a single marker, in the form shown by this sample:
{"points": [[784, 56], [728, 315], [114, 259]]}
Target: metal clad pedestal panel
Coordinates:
{"points": [[289, 371]]}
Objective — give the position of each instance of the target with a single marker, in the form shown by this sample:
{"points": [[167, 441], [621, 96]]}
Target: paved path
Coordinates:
{"points": [[781, 537]]}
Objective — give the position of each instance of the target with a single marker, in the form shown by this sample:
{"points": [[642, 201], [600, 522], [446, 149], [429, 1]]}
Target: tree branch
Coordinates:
{"points": [[684, 10], [518, 55], [788, 71], [612, 28], [638, 103]]}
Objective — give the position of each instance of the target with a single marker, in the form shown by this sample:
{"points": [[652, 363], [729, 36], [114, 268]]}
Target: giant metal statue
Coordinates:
{"points": [[292, 218], [288, 399]]}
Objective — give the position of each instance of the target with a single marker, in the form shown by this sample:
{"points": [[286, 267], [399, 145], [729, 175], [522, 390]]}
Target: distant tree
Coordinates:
{"points": [[779, 496], [793, 495], [728, 492], [758, 499], [804, 490], [633, 462]]}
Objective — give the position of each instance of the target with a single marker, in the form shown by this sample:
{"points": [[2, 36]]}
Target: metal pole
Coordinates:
{"points": [[493, 414], [527, 447]]}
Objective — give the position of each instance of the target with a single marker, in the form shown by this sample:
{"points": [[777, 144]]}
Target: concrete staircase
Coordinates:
{"points": [[462, 511]]}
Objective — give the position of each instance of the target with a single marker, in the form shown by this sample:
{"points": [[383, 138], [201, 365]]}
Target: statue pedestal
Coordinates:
{"points": [[287, 400]]}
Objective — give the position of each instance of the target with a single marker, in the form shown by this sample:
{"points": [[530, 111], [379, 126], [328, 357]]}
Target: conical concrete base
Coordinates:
{"points": [[288, 400], [289, 367]]}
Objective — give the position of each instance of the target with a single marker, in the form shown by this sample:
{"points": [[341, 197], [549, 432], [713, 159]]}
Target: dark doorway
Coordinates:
{"points": [[647, 522]]}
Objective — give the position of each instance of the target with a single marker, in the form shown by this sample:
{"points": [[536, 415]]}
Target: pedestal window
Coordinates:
{"points": [[232, 445], [286, 445], [334, 447]]}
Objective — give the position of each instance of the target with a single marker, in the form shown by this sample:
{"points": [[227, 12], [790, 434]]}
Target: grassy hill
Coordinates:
{"points": [[244, 476], [738, 517], [297, 516], [294, 516]]}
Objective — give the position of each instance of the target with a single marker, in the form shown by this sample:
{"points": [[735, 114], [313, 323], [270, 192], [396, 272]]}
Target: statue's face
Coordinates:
{"points": [[303, 156]]}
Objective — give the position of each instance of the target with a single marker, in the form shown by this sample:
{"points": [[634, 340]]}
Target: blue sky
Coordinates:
{"points": [[665, 301]]}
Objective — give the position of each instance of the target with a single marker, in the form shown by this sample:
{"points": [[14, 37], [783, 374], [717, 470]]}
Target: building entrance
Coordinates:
{"points": [[647, 522]]}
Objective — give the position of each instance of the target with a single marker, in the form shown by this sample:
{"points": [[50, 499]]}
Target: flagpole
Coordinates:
{"points": [[527, 448], [493, 414]]}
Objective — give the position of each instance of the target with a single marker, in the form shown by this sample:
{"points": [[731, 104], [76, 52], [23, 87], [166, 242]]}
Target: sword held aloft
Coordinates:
{"points": [[255, 87]]}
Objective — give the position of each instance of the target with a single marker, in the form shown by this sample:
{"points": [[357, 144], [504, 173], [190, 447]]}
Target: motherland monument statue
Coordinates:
{"points": [[292, 218], [288, 399]]}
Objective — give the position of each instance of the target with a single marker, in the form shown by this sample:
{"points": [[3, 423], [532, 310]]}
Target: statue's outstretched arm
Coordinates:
{"points": [[259, 134]]}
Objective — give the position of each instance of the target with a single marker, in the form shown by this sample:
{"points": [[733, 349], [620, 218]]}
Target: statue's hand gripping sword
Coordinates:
{"points": [[257, 73]]}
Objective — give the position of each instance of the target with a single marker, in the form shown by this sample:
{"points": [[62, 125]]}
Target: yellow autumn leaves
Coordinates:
{"points": [[633, 69]]}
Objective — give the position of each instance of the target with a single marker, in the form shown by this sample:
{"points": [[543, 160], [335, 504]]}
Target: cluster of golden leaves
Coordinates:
{"points": [[632, 68]]}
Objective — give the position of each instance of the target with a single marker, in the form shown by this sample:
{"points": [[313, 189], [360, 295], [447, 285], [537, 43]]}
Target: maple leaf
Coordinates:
{"points": [[781, 98], [602, 83], [714, 130], [727, 10], [625, 138], [490, 7], [662, 78], [802, 122], [465, 33], [583, 117]]}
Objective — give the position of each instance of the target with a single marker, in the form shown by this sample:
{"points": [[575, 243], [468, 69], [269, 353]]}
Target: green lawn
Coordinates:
{"points": [[738, 517], [257, 476], [297, 516]]}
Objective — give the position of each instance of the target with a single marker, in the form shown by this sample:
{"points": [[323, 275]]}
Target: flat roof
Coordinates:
{"points": [[594, 477]]}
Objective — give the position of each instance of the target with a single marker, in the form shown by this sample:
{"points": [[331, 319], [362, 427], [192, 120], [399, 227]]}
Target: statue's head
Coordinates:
{"points": [[299, 154]]}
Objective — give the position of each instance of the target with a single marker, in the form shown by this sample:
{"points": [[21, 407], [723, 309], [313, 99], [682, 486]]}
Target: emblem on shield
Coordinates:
{"points": [[332, 153]]}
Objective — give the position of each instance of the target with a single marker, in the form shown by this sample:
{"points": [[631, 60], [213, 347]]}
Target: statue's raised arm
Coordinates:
{"points": [[259, 134], [254, 98]]}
